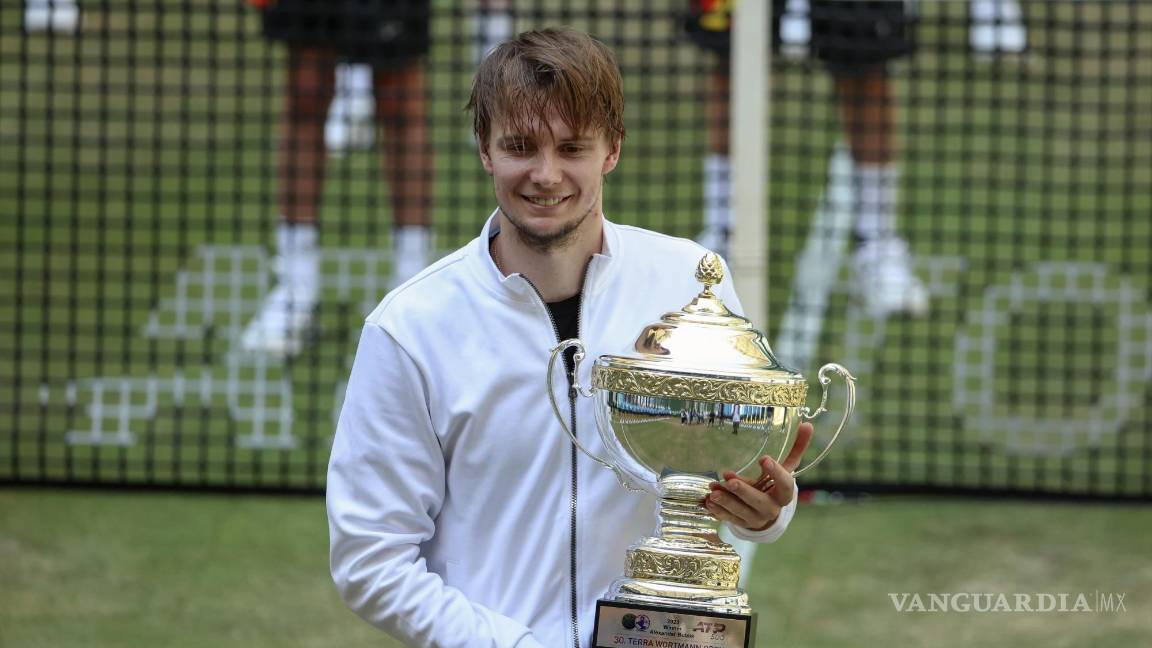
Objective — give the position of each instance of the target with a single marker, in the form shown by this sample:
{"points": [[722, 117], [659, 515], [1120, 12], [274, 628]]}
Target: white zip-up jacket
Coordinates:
{"points": [[460, 513]]}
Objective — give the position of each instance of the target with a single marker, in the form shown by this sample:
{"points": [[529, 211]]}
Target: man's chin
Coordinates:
{"points": [[549, 232], [545, 236]]}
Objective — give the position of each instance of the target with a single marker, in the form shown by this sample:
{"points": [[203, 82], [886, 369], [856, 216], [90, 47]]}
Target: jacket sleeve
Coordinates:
{"points": [[772, 533], [727, 292], [386, 485]]}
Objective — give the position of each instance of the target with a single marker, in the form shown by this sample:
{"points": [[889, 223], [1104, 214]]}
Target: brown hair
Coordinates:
{"points": [[552, 71]]}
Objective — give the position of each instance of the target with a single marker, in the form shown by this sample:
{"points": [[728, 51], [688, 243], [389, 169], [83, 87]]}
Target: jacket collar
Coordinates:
{"points": [[515, 286]]}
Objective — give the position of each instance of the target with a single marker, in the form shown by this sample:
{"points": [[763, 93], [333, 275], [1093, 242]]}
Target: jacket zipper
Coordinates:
{"points": [[573, 456]]}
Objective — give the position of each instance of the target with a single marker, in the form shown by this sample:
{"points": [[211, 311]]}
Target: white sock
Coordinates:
{"points": [[51, 15], [995, 12], [997, 26], [795, 29], [493, 26], [353, 91], [298, 258], [52, 5], [876, 188], [411, 245], [717, 185], [357, 79]]}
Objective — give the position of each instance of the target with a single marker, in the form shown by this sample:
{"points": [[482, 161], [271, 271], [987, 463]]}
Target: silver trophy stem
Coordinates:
{"points": [[682, 511]]}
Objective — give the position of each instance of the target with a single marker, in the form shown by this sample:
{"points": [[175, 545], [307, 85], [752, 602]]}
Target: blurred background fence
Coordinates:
{"points": [[138, 203]]}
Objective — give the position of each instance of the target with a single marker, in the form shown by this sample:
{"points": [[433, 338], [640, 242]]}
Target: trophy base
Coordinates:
{"points": [[623, 623], [705, 600], [686, 571]]}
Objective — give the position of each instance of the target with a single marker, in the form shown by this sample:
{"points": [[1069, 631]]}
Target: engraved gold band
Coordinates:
{"points": [[684, 568], [651, 383]]}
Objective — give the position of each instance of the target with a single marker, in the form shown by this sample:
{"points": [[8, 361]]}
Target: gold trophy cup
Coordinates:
{"points": [[702, 393]]}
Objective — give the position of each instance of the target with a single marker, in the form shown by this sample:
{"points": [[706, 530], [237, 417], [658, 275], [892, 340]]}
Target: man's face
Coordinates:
{"points": [[548, 183]]}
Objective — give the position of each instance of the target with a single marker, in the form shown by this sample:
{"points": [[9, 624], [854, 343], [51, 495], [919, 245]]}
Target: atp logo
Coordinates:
{"points": [[710, 626], [635, 621]]}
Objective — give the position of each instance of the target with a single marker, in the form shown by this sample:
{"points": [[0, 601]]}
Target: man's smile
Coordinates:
{"points": [[546, 201]]}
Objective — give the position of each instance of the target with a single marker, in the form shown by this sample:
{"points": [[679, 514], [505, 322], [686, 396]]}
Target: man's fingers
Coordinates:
{"points": [[783, 485], [742, 504], [803, 438], [723, 514], [756, 504]]}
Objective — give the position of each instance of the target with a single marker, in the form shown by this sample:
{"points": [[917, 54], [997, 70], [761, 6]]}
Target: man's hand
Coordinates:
{"points": [[755, 505]]}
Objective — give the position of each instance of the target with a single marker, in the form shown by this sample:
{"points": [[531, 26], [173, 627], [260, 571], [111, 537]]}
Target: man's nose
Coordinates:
{"points": [[546, 170]]}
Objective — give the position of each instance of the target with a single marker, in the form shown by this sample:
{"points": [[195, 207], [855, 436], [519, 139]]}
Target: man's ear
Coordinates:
{"points": [[485, 158], [612, 159]]}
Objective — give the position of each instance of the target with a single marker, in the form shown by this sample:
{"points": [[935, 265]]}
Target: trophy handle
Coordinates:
{"points": [[575, 389], [850, 404]]}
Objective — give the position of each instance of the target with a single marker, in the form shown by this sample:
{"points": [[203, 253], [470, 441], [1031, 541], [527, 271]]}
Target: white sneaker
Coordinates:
{"points": [[61, 16], [884, 281], [282, 326], [715, 239]]}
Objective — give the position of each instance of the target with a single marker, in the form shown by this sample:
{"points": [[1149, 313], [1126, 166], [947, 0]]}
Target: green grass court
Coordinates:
{"points": [[112, 570]]}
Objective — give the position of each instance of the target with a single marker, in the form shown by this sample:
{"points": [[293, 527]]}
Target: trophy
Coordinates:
{"points": [[700, 394]]}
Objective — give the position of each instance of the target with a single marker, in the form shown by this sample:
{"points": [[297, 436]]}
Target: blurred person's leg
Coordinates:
{"points": [[60, 16], [350, 119], [301, 163], [708, 26], [717, 164], [402, 111], [881, 263], [286, 314], [857, 40]]}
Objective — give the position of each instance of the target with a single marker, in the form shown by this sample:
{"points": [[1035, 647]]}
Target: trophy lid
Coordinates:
{"points": [[703, 352]]}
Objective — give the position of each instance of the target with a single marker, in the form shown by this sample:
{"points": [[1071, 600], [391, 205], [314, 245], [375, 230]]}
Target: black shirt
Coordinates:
{"points": [[566, 315]]}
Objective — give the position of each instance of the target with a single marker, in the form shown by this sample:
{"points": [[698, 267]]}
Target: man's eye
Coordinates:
{"points": [[516, 147], [573, 150]]}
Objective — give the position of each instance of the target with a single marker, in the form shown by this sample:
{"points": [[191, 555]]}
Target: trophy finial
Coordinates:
{"points": [[710, 271]]}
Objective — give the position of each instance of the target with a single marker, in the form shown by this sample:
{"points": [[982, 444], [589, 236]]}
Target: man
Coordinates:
{"points": [[855, 39], [460, 513]]}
